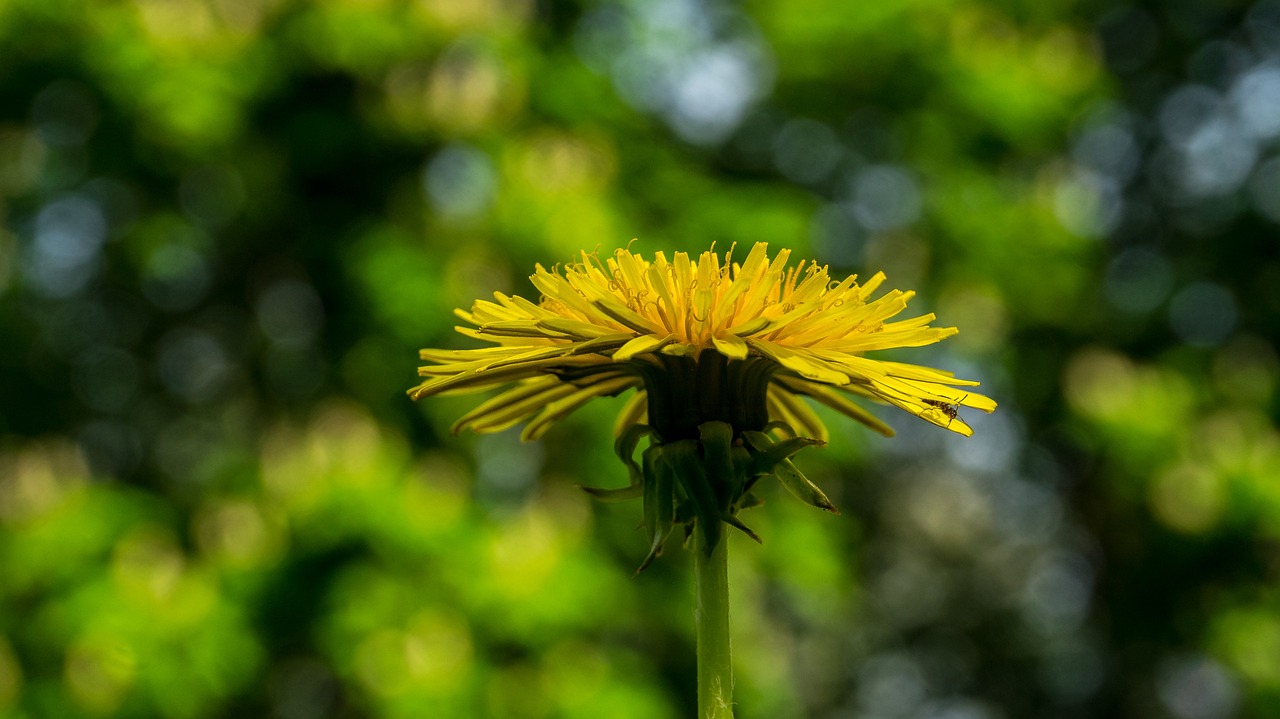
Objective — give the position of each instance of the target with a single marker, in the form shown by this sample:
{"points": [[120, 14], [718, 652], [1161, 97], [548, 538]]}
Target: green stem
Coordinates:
{"points": [[715, 669]]}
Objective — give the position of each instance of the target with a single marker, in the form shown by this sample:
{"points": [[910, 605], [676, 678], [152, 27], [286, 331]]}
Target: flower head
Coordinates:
{"points": [[700, 341]]}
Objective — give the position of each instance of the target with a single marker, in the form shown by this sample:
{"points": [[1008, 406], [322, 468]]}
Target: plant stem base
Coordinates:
{"points": [[715, 667]]}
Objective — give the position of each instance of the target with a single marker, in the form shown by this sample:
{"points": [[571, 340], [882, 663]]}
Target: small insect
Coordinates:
{"points": [[950, 410]]}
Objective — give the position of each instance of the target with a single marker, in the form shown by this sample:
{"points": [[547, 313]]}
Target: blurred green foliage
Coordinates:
{"points": [[228, 224]]}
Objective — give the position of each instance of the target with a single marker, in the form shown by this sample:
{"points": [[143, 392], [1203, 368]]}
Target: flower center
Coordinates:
{"points": [[684, 392]]}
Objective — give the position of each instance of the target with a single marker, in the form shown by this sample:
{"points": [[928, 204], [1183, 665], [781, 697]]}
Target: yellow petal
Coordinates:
{"points": [[574, 328], [799, 415], [731, 346], [837, 401], [643, 344], [561, 408], [625, 316], [512, 406], [799, 363], [633, 412]]}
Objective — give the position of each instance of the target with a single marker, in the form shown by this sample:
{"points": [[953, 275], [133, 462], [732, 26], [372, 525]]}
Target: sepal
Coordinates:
{"points": [[614, 496], [702, 484], [768, 454], [691, 477], [775, 458], [737, 524], [659, 502], [625, 447], [801, 488], [717, 460]]}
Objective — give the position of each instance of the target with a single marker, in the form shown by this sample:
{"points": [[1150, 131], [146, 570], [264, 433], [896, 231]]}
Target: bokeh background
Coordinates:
{"points": [[226, 226]]}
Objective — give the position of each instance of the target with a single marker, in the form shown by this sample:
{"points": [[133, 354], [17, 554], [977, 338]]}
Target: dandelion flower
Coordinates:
{"points": [[718, 355], [699, 340]]}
